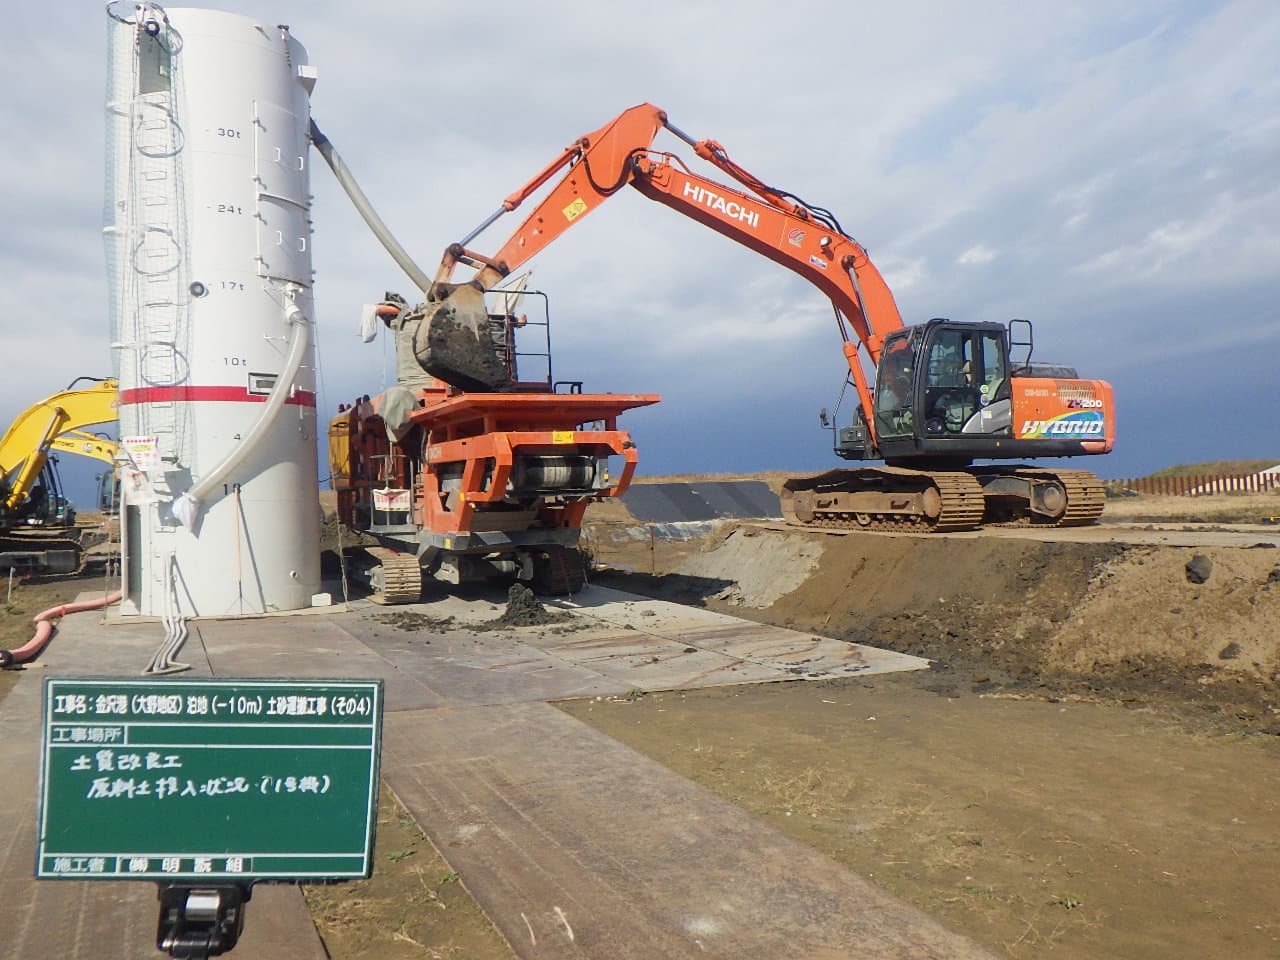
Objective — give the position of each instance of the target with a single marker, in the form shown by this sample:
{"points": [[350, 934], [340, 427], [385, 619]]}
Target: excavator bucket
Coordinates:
{"points": [[456, 342]]}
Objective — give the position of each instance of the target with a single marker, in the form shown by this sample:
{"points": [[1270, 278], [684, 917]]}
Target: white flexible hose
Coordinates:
{"points": [[186, 509], [175, 626]]}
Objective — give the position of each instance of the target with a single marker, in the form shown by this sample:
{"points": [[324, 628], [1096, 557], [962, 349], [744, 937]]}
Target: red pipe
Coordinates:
{"points": [[45, 621]]}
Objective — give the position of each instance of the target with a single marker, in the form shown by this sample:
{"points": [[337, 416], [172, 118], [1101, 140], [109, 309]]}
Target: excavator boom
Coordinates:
{"points": [[25, 446], [772, 224]]}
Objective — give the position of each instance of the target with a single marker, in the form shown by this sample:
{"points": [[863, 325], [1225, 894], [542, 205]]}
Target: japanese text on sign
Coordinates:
{"points": [[147, 779]]}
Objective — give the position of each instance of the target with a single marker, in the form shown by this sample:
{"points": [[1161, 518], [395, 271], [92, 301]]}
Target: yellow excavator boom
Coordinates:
{"points": [[86, 445], [24, 448]]}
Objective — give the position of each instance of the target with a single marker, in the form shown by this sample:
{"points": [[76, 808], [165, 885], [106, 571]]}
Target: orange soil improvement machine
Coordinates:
{"points": [[466, 484]]}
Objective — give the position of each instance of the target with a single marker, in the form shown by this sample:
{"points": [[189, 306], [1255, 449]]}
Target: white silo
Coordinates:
{"points": [[208, 237]]}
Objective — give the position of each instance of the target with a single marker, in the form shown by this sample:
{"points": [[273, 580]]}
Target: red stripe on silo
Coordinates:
{"points": [[303, 398]]}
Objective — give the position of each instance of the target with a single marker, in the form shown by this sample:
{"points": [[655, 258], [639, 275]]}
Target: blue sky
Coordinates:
{"points": [[1109, 176]]}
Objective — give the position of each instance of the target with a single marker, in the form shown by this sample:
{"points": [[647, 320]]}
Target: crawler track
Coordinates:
{"points": [[1086, 496], [38, 541], [919, 501], [885, 498], [397, 579]]}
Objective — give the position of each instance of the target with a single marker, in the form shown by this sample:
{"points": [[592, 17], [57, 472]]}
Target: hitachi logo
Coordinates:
{"points": [[713, 201]]}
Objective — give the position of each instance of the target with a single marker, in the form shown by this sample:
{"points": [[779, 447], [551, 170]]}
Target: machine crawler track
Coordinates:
{"points": [[396, 579], [895, 498], [1086, 496], [885, 498], [558, 572], [55, 546]]}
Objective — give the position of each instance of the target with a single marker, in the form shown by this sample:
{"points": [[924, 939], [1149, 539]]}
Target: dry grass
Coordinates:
{"points": [[1217, 468], [815, 791], [1219, 508]]}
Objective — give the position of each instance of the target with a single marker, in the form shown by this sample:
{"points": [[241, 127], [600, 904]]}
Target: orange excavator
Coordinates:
{"points": [[944, 393]]}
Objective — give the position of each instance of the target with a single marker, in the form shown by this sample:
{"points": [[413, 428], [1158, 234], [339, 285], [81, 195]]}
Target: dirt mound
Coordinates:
{"points": [[523, 610], [751, 583], [1144, 603], [1017, 616]]}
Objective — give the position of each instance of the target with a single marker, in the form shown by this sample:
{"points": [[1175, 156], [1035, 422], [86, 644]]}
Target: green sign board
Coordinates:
{"points": [[208, 779]]}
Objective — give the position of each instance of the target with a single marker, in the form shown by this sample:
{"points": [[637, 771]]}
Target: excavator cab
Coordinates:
{"points": [[948, 393], [45, 505], [942, 381]]}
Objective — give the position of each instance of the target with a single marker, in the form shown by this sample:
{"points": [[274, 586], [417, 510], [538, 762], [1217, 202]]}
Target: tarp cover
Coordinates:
{"points": [[712, 500]]}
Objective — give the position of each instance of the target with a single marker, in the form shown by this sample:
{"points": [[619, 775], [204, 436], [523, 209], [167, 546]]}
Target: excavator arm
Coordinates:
{"points": [[24, 448], [85, 444], [806, 240]]}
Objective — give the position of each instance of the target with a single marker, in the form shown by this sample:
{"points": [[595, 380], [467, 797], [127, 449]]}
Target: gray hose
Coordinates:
{"points": [[365, 209], [187, 508]]}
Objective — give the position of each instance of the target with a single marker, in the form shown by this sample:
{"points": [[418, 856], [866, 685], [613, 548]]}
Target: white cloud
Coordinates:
{"points": [[976, 255]]}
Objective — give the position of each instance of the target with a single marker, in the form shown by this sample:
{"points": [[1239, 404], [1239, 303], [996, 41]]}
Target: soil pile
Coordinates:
{"points": [[1019, 617], [523, 610]]}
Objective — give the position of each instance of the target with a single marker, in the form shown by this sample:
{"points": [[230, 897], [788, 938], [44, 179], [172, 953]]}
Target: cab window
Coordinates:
{"points": [[893, 388], [951, 395], [994, 368]]}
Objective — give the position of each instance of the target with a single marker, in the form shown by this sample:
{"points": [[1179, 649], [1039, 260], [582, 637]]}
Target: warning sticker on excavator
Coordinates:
{"points": [[576, 209], [562, 436]]}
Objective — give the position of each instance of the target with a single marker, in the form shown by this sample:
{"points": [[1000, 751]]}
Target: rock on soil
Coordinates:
{"points": [[1199, 569]]}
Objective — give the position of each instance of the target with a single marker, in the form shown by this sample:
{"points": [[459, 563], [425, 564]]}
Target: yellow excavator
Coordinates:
{"points": [[38, 532]]}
